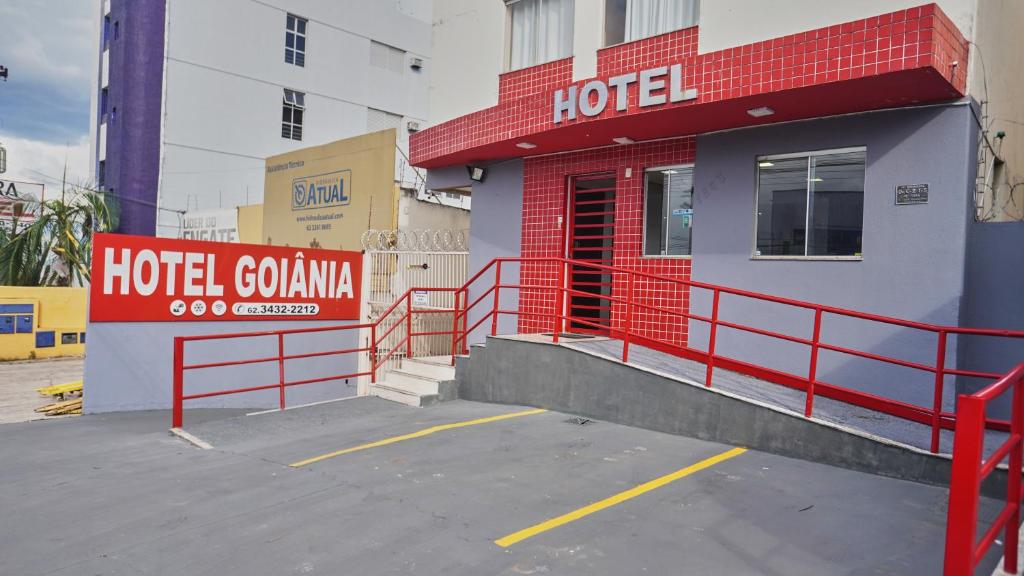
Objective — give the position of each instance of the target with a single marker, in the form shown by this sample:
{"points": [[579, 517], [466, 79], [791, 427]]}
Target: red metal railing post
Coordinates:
{"points": [[964, 487], [812, 372], [559, 303], [627, 325], [494, 309], [179, 382], [280, 366], [1013, 483], [940, 373], [408, 324], [465, 322], [455, 324], [711, 338], [373, 354]]}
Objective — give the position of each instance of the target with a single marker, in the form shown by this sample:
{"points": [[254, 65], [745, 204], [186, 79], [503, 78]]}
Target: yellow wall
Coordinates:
{"points": [[58, 310], [362, 169], [250, 224]]}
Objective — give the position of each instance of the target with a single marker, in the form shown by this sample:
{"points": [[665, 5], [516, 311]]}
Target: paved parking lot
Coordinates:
{"points": [[369, 487]]}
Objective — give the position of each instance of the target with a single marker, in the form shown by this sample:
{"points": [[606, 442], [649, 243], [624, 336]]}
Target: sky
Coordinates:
{"points": [[51, 52]]}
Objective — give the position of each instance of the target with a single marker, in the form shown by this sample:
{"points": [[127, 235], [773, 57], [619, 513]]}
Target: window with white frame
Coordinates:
{"points": [[628, 20], [810, 204], [387, 57], [540, 31], [668, 211], [294, 107], [295, 40]]}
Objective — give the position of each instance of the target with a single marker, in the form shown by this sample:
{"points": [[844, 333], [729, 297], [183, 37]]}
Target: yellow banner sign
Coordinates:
{"points": [[327, 196]]}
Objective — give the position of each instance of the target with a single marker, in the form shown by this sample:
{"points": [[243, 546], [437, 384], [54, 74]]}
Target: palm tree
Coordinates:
{"points": [[56, 248]]}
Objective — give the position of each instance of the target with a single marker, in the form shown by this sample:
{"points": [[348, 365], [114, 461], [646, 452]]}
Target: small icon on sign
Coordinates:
{"points": [[178, 307], [219, 308], [298, 194], [198, 308]]}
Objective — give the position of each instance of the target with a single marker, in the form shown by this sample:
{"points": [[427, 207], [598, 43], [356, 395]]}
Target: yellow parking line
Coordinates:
{"points": [[417, 434], [616, 499]]}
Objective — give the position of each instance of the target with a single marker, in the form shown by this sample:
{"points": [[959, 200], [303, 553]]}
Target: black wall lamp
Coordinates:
{"points": [[476, 173]]}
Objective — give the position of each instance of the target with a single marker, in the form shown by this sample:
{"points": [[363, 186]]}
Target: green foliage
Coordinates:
{"points": [[56, 248]]}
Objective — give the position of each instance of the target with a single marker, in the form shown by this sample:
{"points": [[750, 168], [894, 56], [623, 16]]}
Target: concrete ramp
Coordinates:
{"points": [[584, 377]]}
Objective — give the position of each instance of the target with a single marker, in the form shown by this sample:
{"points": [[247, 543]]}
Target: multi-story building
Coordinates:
{"points": [[845, 153], [192, 96]]}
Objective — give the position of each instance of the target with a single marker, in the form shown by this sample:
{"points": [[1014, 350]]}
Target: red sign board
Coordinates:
{"points": [[146, 279]]}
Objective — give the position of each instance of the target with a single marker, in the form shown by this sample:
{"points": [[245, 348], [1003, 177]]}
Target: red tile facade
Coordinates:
{"points": [[534, 80], [915, 38], [545, 181], [921, 37]]}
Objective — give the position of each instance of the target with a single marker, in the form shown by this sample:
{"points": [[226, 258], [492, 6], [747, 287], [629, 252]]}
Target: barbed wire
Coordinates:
{"points": [[422, 240]]}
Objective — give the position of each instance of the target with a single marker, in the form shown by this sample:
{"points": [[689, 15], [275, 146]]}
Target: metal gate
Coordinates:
{"points": [[398, 261], [591, 239]]}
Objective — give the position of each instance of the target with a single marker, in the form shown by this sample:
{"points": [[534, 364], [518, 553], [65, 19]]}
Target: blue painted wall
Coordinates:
{"points": [[135, 88], [994, 298], [495, 231], [913, 256]]}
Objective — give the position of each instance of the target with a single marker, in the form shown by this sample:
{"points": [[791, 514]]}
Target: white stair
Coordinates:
{"points": [[416, 382]]}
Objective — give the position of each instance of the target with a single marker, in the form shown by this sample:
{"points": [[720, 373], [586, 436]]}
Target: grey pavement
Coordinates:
{"points": [[116, 494]]}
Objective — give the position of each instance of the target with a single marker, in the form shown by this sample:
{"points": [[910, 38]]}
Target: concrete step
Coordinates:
{"points": [[428, 369], [435, 360], [402, 396], [413, 383]]}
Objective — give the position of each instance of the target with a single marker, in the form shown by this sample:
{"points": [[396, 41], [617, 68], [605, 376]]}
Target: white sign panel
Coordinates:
{"points": [[420, 298], [211, 225], [21, 200]]}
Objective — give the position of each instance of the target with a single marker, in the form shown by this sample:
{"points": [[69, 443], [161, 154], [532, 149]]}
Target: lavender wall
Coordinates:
{"points": [[993, 298], [914, 256], [135, 86], [495, 231]]}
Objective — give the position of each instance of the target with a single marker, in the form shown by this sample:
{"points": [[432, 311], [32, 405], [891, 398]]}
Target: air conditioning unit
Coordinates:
{"points": [[412, 126], [416, 63]]}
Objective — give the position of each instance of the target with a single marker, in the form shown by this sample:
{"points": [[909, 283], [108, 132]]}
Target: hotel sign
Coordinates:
{"points": [[146, 279], [656, 85]]}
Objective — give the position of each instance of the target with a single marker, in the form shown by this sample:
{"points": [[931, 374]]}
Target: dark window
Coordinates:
{"points": [[106, 31], [117, 30], [101, 174], [295, 40], [113, 115], [811, 205], [291, 114], [668, 211], [104, 96]]}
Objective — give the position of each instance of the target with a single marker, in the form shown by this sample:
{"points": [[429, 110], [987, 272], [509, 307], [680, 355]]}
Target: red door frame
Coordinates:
{"points": [[569, 237]]}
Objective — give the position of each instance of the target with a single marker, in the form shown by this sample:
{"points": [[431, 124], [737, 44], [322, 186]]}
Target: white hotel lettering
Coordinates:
{"points": [[145, 271], [651, 86]]}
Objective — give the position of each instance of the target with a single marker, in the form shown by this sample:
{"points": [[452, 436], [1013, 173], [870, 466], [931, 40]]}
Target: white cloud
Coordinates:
{"points": [[37, 161], [49, 43]]}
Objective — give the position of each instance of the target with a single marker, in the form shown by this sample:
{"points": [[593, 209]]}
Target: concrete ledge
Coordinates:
{"points": [[512, 371]]}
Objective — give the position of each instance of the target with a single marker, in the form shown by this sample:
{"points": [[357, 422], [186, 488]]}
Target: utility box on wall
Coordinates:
{"points": [[32, 317]]}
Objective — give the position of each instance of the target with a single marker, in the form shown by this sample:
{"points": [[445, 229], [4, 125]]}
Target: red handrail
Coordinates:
{"points": [[970, 468], [627, 331]]}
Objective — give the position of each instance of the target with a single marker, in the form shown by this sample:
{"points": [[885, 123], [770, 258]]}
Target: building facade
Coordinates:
{"points": [[844, 156], [192, 96]]}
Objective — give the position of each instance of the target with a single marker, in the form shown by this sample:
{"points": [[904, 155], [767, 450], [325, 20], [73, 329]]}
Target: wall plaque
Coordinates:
{"points": [[911, 194]]}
